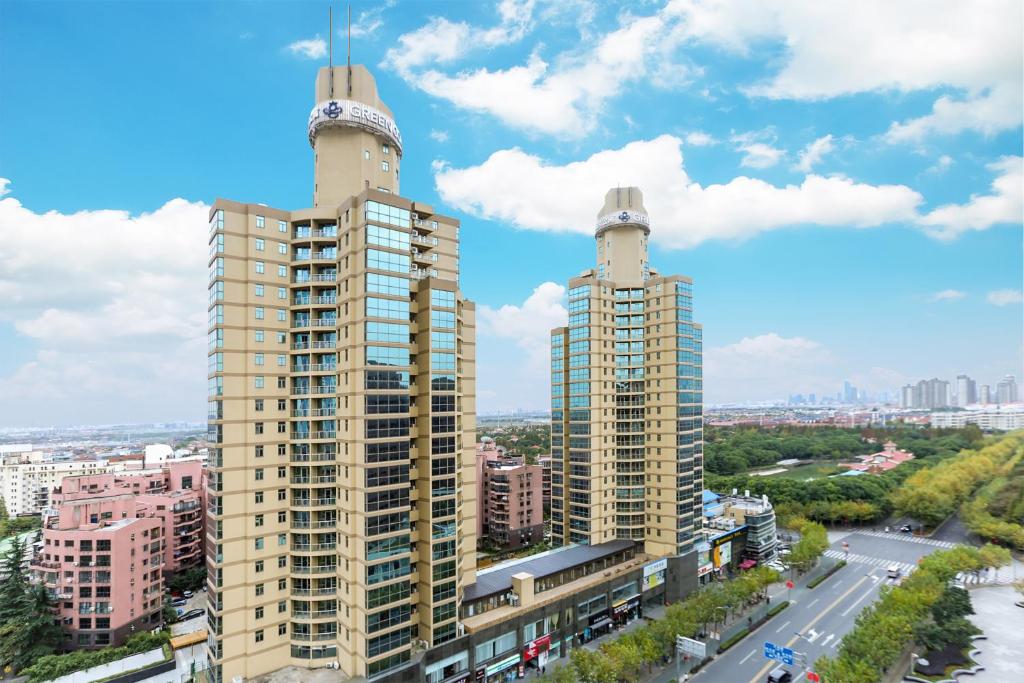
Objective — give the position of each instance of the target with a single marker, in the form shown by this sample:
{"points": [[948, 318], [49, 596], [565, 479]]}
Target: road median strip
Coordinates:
{"points": [[838, 565], [743, 633]]}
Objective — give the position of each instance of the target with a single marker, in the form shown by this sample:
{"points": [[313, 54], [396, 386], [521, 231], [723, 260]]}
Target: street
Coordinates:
{"points": [[817, 619]]}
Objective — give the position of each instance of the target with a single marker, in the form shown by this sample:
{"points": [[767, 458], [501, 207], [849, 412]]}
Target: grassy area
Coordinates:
{"points": [[811, 471]]}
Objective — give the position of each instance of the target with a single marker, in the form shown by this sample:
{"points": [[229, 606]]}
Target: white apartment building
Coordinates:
{"points": [[990, 419], [26, 479]]}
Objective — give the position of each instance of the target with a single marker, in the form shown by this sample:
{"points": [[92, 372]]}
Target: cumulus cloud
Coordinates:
{"points": [[833, 49], [1005, 204], [948, 295], [758, 148], [1004, 297], [119, 326], [564, 198], [439, 135], [562, 96], [441, 41], [313, 48], [516, 345], [830, 50], [760, 368], [542, 196], [813, 153]]}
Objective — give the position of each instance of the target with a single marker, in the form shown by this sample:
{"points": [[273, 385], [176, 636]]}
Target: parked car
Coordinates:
{"points": [[179, 602], [191, 614], [906, 529], [188, 594]]}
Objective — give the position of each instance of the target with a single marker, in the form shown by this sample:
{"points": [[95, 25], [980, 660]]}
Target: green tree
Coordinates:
{"points": [[14, 588]]}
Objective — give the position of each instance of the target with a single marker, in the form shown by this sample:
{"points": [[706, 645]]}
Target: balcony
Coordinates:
{"points": [[313, 547], [314, 457], [325, 389], [426, 226], [314, 524], [313, 502], [426, 242], [319, 614], [318, 569], [324, 322], [307, 592]]}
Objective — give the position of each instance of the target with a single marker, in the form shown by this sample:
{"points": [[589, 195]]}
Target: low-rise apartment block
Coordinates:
{"points": [[102, 561], [172, 493], [511, 498]]}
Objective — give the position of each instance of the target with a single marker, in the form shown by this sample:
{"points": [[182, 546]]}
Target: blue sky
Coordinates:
{"points": [[844, 187]]}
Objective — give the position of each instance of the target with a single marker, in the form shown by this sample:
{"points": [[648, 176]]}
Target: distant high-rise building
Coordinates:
{"points": [[627, 440], [966, 391], [811, 399], [985, 395], [1006, 390], [927, 394], [342, 492], [849, 393]]}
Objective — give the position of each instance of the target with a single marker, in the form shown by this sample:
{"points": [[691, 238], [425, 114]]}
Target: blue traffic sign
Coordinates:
{"points": [[782, 654]]}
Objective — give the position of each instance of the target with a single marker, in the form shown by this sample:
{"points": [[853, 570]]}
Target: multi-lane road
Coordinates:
{"points": [[818, 618]]}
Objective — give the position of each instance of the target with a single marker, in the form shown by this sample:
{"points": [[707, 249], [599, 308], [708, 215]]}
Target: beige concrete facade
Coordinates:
{"points": [[342, 413], [627, 444]]}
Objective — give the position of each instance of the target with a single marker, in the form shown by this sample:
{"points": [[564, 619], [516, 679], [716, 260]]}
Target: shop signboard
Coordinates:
{"points": [[536, 648], [502, 665], [594, 618], [654, 574], [705, 569]]}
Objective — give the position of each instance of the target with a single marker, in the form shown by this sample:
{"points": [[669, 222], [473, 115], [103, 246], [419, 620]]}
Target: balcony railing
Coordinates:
{"points": [[319, 569]]}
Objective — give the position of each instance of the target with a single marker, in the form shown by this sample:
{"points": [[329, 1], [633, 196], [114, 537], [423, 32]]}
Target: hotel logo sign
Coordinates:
{"points": [[354, 115], [610, 220]]}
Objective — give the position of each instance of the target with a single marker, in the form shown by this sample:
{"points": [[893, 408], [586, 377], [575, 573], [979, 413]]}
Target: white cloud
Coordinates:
{"points": [[758, 150], [1005, 204], [699, 138], [515, 349], [439, 135], [760, 155], [1004, 297], [441, 41], [813, 153], [368, 21], [764, 367], [989, 113], [835, 49], [563, 96], [118, 331], [313, 48], [948, 295], [541, 196], [942, 164]]}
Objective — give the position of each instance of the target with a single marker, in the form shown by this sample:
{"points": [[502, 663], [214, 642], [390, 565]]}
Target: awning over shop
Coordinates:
{"points": [[600, 623]]}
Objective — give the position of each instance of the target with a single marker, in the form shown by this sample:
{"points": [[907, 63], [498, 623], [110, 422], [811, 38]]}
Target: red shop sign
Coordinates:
{"points": [[542, 644]]}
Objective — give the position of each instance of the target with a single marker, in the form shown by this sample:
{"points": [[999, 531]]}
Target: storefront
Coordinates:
{"points": [[454, 669], [653, 581], [507, 669], [626, 610], [537, 652], [597, 625]]}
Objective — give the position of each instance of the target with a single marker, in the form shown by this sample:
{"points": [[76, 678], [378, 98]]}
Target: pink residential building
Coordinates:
{"points": [[511, 498], [103, 564], [174, 493]]}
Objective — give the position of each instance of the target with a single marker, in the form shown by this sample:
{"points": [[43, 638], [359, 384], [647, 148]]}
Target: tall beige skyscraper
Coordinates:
{"points": [[626, 397], [341, 412]]}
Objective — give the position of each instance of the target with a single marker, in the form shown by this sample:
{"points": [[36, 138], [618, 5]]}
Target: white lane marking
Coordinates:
{"points": [[744, 660], [837, 584], [857, 602], [779, 629], [827, 638], [835, 643], [812, 602]]}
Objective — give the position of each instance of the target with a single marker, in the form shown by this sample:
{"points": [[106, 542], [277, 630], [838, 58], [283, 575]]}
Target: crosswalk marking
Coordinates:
{"points": [[907, 538], [904, 567]]}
